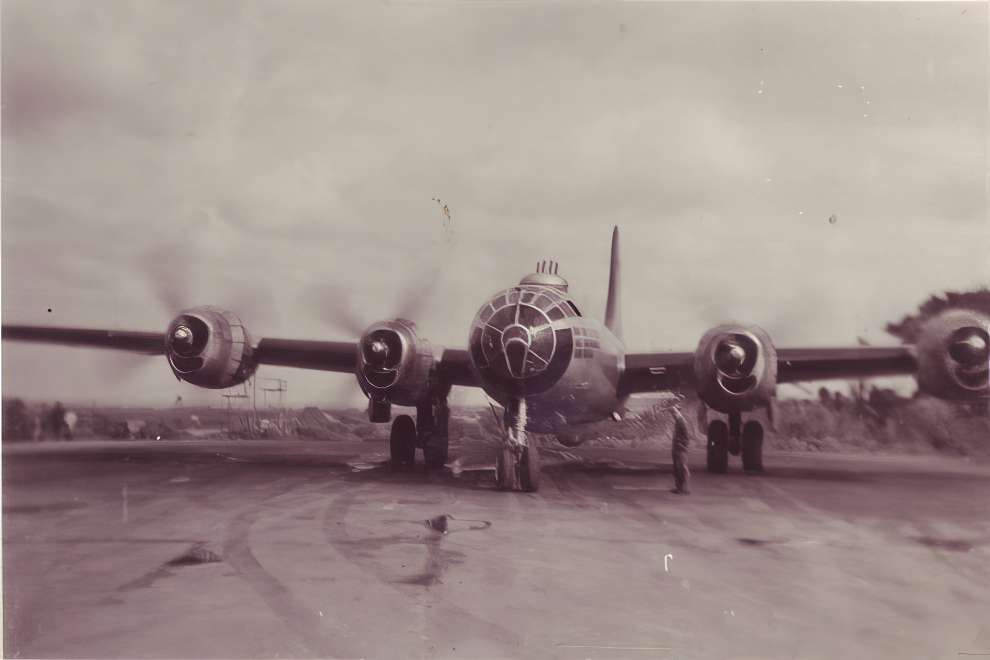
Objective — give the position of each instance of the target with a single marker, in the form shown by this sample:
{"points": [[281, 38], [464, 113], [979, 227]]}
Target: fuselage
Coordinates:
{"points": [[531, 342]]}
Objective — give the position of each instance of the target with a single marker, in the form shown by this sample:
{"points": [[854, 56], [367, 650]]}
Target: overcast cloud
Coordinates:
{"points": [[268, 154]]}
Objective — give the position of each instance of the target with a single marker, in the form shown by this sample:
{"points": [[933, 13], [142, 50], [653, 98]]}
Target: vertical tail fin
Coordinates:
{"points": [[613, 306]]}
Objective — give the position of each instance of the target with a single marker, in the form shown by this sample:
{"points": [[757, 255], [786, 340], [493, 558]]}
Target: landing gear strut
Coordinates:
{"points": [[735, 438], [517, 463]]}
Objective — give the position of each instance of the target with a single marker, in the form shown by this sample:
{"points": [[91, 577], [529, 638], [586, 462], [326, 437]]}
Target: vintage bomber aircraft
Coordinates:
{"points": [[550, 367]]}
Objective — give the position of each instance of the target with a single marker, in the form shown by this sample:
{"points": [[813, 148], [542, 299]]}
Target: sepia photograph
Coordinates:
{"points": [[476, 329]]}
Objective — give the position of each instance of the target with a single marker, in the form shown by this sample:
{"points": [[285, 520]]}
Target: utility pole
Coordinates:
{"points": [[281, 386], [228, 397]]}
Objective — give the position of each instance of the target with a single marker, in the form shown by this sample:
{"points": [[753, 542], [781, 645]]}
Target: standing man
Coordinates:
{"points": [[679, 452]]}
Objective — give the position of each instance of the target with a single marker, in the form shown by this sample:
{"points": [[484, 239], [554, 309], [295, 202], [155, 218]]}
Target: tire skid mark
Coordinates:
{"points": [[297, 616], [443, 616]]}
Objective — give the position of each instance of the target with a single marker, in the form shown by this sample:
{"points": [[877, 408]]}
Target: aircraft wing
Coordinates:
{"points": [[650, 372], [148, 343], [653, 372], [804, 364], [455, 364], [340, 356]]}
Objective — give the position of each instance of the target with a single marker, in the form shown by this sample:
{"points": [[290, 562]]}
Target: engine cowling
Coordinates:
{"points": [[395, 364], [735, 368], [209, 347], [953, 353]]}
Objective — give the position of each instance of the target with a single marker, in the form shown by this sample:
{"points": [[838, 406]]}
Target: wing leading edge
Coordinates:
{"points": [[148, 343], [338, 356]]}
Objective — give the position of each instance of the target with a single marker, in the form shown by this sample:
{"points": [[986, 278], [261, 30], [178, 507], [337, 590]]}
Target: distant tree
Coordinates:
{"points": [[53, 422], [909, 327], [883, 402], [824, 396], [17, 422]]}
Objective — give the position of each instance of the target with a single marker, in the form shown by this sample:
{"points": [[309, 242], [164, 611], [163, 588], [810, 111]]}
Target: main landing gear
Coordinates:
{"points": [[735, 438], [517, 463], [431, 434]]}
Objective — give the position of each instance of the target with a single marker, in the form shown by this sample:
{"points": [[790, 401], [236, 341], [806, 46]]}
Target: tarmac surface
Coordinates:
{"points": [[318, 549]]}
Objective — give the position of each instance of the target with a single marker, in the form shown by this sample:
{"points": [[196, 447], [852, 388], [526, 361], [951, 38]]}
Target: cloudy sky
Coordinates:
{"points": [[278, 158]]}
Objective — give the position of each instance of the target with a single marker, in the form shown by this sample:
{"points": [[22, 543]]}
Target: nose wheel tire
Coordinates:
{"points": [[505, 469], [718, 447], [752, 447], [529, 469], [518, 469], [402, 441]]}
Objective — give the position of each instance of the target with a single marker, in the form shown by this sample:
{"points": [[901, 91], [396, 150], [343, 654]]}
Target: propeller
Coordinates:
{"points": [[334, 306], [171, 270]]}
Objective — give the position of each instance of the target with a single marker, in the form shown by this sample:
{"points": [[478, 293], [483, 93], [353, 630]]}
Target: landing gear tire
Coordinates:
{"points": [[529, 469], [432, 422], [505, 469], [402, 441], [718, 447], [752, 446]]}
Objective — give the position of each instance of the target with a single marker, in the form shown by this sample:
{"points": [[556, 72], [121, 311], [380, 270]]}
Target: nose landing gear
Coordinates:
{"points": [[517, 463]]}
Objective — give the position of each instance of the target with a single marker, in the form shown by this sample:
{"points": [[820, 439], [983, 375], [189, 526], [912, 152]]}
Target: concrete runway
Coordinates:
{"points": [[307, 549]]}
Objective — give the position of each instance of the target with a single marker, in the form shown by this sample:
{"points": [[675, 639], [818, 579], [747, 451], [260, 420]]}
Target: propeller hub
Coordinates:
{"points": [[377, 353], [182, 339], [730, 357], [970, 350]]}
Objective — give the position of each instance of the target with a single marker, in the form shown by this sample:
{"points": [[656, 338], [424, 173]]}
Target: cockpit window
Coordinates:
{"points": [[531, 317]]}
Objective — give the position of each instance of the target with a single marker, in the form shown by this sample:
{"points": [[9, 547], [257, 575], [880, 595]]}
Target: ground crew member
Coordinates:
{"points": [[679, 453]]}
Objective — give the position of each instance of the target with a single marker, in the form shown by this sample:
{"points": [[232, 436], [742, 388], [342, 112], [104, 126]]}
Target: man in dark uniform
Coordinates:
{"points": [[679, 453]]}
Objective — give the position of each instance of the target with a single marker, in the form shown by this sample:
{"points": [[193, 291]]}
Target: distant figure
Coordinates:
{"points": [[679, 452]]}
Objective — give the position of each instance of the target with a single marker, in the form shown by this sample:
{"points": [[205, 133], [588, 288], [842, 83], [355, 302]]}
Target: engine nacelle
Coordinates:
{"points": [[395, 364], [954, 355], [735, 368], [209, 347]]}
